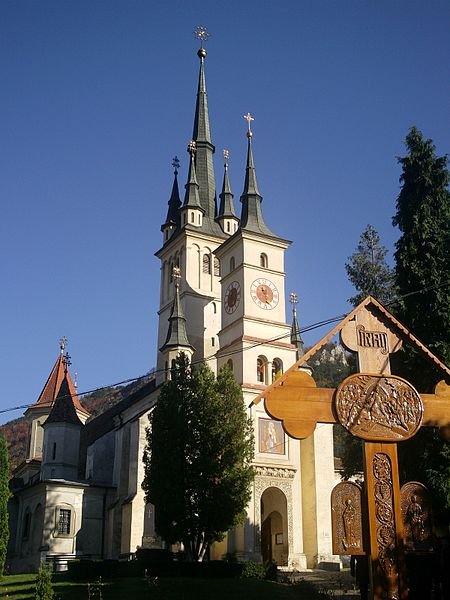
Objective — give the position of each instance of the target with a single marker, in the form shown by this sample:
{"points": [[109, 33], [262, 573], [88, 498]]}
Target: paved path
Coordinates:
{"points": [[338, 584]]}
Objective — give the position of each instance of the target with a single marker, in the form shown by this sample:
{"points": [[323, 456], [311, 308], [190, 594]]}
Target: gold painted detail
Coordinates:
{"points": [[385, 524], [372, 339], [379, 407]]}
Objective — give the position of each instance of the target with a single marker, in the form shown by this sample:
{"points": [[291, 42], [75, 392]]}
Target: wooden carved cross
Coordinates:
{"points": [[379, 408]]}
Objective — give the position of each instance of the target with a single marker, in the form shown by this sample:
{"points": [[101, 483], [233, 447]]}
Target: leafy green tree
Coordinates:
{"points": [[4, 497], [422, 276], [198, 457], [423, 250], [368, 271], [43, 589]]}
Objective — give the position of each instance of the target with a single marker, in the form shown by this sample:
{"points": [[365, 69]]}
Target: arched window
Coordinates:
{"points": [[214, 307], [277, 368], [216, 267], [207, 264], [261, 369], [263, 262], [192, 217], [26, 524], [232, 264], [230, 364]]}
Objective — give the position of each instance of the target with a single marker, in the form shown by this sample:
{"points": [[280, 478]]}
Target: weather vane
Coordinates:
{"points": [[175, 164], [248, 117], [202, 34]]}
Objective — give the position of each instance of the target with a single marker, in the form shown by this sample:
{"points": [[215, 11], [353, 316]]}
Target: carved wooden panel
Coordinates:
{"points": [[416, 515], [346, 518], [379, 407], [385, 523]]}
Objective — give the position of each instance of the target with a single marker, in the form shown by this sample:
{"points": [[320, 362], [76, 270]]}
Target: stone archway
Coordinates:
{"points": [[274, 526]]}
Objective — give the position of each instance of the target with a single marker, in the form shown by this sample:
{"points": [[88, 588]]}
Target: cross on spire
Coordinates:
{"points": [[226, 155], [176, 275], [293, 299], [192, 147], [67, 362], [248, 117], [62, 344], [202, 34], [175, 164]]}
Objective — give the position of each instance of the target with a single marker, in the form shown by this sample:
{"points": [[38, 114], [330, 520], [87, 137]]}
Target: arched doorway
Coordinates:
{"points": [[274, 526]]}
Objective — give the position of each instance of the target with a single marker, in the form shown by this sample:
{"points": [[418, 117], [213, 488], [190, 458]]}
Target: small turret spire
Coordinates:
{"points": [[173, 215], [191, 198], [176, 336], [296, 338], [226, 208], [251, 216]]}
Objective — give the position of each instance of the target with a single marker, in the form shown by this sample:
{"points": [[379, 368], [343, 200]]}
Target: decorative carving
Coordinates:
{"points": [[346, 517], [372, 339], [281, 478], [416, 514], [379, 407], [385, 523]]}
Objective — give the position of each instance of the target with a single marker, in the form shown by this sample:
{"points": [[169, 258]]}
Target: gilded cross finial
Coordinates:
{"points": [[293, 299], [175, 164], [248, 117], [62, 344], [202, 34], [192, 147], [226, 156]]}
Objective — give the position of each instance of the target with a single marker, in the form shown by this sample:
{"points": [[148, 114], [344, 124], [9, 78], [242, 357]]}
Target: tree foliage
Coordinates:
{"points": [[4, 497], [423, 250], [368, 271], [198, 457], [422, 264], [43, 589]]}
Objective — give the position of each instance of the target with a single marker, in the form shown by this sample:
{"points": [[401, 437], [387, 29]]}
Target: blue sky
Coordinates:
{"points": [[98, 96]]}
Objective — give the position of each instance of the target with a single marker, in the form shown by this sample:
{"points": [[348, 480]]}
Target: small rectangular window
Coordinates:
{"points": [[64, 521], [213, 341], [54, 451]]}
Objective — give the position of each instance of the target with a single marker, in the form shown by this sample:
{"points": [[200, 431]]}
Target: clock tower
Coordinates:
{"points": [[255, 338]]}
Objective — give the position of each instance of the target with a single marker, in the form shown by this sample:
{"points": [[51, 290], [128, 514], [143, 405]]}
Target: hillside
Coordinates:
{"points": [[16, 432]]}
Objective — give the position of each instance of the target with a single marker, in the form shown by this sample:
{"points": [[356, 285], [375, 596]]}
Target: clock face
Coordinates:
{"points": [[264, 293], [232, 297]]}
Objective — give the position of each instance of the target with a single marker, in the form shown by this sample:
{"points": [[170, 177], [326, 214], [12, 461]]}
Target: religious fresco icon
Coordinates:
{"points": [[271, 436]]}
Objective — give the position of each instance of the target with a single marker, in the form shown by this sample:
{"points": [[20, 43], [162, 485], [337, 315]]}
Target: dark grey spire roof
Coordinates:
{"points": [[191, 197], [63, 410], [226, 208], [251, 215], [296, 338], [173, 213], [205, 149], [176, 335]]}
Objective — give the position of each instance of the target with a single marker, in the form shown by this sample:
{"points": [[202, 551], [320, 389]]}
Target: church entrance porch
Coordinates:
{"points": [[274, 527]]}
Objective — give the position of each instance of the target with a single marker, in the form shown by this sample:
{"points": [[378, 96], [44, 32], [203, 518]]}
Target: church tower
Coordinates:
{"points": [[193, 230], [254, 339]]}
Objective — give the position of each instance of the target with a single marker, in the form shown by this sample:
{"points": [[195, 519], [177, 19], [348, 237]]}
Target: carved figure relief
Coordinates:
{"points": [[416, 515], [379, 407], [346, 518], [384, 511]]}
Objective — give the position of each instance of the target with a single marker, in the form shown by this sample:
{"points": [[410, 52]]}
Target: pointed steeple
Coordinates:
{"points": [[227, 217], [177, 338], [173, 214], [251, 216], [191, 197], [296, 338], [63, 410], [205, 149]]}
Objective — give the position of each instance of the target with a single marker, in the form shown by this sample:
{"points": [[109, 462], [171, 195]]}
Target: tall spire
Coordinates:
{"points": [[173, 214], [296, 338], [202, 136], [176, 336], [251, 216]]}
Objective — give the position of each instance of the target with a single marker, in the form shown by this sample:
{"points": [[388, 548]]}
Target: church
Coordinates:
{"points": [[222, 300]]}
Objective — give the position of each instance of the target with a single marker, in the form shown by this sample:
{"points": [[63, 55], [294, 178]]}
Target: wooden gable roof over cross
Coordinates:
{"points": [[374, 333]]}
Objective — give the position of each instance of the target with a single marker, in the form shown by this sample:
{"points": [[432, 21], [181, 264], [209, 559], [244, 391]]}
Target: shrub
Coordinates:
{"points": [[44, 588]]}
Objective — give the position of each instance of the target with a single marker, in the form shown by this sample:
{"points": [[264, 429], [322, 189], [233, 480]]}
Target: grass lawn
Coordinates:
{"points": [[21, 587]]}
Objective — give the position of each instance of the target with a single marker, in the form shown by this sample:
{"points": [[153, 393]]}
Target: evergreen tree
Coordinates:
{"points": [[43, 589], [4, 496], [422, 265], [423, 250], [197, 458], [368, 271]]}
